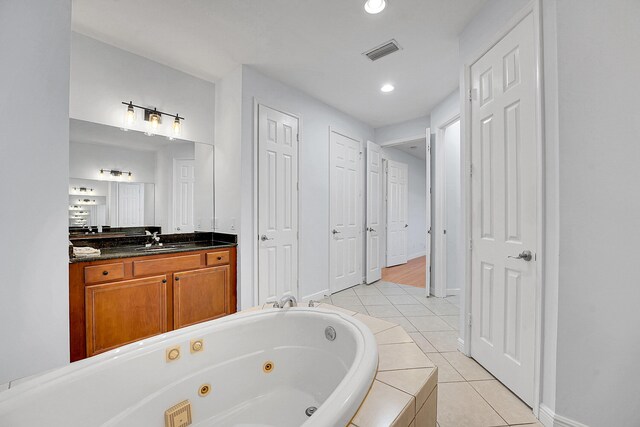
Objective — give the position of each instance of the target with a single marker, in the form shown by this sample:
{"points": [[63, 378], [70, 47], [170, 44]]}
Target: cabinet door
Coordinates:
{"points": [[199, 295], [119, 313]]}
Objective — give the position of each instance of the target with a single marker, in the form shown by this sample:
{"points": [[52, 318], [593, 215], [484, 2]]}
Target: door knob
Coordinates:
{"points": [[406, 225], [264, 238], [525, 255], [334, 231], [371, 229]]}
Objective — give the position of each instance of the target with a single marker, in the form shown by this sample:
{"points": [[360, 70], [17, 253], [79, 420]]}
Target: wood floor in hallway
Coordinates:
{"points": [[413, 273]]}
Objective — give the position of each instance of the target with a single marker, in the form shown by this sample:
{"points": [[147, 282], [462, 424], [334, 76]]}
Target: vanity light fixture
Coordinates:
{"points": [[83, 189], [375, 6], [153, 117], [116, 173]]}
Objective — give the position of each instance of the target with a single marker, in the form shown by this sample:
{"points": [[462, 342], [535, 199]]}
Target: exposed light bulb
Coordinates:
{"points": [[154, 120], [130, 177], [387, 88], [375, 6], [130, 116], [177, 126]]}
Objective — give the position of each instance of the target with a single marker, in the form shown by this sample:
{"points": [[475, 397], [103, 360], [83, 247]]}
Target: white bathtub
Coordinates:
{"points": [[134, 385]]}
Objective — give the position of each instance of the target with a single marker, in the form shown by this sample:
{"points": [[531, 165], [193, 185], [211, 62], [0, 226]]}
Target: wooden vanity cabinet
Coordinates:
{"points": [[116, 302]]}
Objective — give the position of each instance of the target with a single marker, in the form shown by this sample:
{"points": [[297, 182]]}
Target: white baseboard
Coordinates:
{"points": [[460, 345], [416, 255], [455, 291], [317, 296], [549, 418]]}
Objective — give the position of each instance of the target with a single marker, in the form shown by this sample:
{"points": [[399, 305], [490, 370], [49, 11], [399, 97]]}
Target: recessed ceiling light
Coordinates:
{"points": [[387, 88], [375, 6]]}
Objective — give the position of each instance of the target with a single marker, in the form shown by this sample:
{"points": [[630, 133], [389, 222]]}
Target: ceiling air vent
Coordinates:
{"points": [[383, 50]]}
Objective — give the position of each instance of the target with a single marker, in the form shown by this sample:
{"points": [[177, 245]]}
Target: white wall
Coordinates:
{"points": [[86, 160], [599, 274], [403, 130], [34, 82], [417, 189], [103, 76], [313, 176], [227, 156], [203, 209]]}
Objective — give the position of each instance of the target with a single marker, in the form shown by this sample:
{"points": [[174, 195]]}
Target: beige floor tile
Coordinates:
{"points": [[374, 300], [345, 292], [468, 368], [412, 290], [428, 413], [383, 311], [366, 290], [508, 406], [402, 299], [453, 321], [395, 335], [414, 310], [382, 405], [422, 342], [341, 301], [446, 372], [402, 356], [429, 323], [392, 291], [402, 321], [417, 382], [460, 405], [443, 341], [376, 325], [336, 308], [384, 284]]}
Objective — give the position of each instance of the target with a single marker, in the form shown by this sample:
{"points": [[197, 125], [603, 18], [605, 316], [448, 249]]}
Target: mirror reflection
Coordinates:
{"points": [[127, 182]]}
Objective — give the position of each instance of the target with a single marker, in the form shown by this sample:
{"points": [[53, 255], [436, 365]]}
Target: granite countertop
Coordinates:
{"points": [[115, 248]]}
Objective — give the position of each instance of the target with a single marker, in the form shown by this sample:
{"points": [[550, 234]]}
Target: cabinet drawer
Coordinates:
{"points": [[164, 265], [218, 258], [103, 273]]}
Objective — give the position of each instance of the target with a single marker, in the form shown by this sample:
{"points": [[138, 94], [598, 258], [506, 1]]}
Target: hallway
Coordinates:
{"points": [[413, 273], [467, 394]]}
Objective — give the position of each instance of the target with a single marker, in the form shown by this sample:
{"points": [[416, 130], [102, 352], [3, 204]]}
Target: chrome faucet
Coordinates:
{"points": [[287, 299], [155, 240]]}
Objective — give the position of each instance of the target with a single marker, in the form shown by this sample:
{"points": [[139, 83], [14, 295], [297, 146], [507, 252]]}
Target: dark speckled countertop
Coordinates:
{"points": [[121, 247]]}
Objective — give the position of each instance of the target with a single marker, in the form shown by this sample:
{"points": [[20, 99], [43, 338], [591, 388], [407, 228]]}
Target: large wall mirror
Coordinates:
{"points": [[126, 181]]}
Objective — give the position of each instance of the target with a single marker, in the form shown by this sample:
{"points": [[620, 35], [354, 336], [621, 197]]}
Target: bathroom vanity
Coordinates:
{"points": [[130, 292]]}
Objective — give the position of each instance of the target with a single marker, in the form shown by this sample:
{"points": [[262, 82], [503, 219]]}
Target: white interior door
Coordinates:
{"points": [[428, 213], [130, 204], [374, 212], [504, 210], [184, 179], [397, 212], [277, 204], [345, 212]]}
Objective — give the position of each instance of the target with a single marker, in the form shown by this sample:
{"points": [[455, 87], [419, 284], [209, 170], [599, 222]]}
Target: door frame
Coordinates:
{"points": [[534, 8], [255, 154], [440, 208], [361, 209]]}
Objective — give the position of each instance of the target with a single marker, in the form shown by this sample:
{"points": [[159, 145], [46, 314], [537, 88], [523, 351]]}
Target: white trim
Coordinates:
{"points": [[534, 8], [317, 296], [453, 291], [549, 418], [460, 345], [416, 255], [254, 152], [401, 141]]}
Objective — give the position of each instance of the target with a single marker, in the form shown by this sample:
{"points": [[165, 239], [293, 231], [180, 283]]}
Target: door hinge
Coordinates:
{"points": [[469, 319], [470, 94], [470, 169], [298, 137], [298, 186], [470, 244]]}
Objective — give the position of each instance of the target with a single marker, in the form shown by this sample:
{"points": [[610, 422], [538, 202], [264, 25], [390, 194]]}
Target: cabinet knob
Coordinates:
{"points": [[219, 258], [177, 278], [105, 273], [164, 280]]}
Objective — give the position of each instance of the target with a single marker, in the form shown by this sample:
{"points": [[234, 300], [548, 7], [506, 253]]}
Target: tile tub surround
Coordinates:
{"points": [[126, 247], [468, 395], [405, 391]]}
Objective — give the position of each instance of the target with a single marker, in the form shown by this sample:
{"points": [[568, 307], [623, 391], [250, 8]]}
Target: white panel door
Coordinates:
{"points": [[397, 212], [184, 179], [374, 212], [277, 204], [504, 210], [345, 212], [428, 212], [130, 204]]}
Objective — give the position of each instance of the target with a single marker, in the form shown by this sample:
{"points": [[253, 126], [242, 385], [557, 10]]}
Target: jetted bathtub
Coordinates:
{"points": [[259, 368]]}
